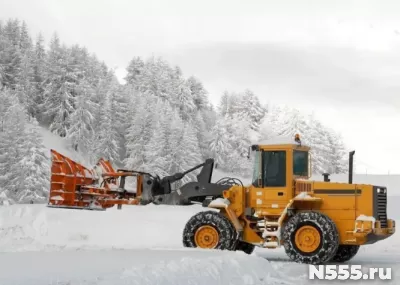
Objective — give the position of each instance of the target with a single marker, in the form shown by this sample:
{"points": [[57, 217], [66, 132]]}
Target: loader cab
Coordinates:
{"points": [[276, 165]]}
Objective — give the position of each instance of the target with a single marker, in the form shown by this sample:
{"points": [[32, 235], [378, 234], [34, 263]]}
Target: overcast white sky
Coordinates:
{"points": [[340, 59]]}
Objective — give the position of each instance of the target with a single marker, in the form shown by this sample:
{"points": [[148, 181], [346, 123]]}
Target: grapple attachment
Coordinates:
{"points": [[75, 186]]}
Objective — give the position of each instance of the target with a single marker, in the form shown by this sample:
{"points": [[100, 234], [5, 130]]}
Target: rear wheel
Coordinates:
{"points": [[345, 253], [209, 230], [310, 237]]}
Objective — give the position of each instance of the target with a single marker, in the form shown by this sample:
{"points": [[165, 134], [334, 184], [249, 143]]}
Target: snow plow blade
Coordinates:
{"points": [[77, 187], [74, 186]]}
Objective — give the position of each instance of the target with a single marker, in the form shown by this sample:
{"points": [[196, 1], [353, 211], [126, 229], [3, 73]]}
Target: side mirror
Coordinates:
{"points": [[248, 154]]}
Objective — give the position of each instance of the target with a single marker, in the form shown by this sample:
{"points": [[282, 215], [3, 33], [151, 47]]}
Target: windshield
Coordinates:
{"points": [[257, 169], [300, 163]]}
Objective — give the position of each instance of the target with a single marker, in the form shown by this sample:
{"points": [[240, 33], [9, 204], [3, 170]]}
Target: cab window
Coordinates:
{"points": [[300, 163], [257, 181], [274, 168]]}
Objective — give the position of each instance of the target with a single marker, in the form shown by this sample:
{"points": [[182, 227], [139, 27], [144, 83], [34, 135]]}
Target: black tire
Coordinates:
{"points": [[345, 253], [328, 235], [245, 247], [226, 232]]}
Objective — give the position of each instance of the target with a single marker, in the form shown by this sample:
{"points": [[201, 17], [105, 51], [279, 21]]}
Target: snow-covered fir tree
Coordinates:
{"points": [[24, 168], [81, 120], [36, 168], [106, 143]]}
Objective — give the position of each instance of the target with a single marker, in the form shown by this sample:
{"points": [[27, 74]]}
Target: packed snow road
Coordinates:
{"points": [[142, 245]]}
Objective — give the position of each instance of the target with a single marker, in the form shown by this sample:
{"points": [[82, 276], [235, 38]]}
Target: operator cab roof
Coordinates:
{"points": [[281, 142]]}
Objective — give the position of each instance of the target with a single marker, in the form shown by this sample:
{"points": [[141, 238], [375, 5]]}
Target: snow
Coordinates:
{"points": [[278, 140], [219, 202], [366, 219], [57, 198], [61, 145], [271, 244], [113, 187], [143, 245], [303, 195]]}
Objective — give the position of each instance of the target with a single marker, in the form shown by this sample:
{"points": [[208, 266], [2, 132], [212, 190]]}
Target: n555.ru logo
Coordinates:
{"points": [[348, 272]]}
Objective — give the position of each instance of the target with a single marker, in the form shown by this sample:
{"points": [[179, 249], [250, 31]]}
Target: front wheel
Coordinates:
{"points": [[210, 230], [311, 238]]}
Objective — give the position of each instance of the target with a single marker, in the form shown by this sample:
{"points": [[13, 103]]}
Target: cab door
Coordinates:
{"points": [[270, 181], [275, 174]]}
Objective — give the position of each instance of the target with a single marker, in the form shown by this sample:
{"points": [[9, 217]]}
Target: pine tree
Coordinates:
{"points": [[250, 107], [38, 65], [224, 107], [81, 120], [35, 167], [157, 150], [120, 110], [199, 94], [336, 153], [25, 41], [11, 57], [185, 101], [290, 123], [317, 138], [24, 84], [107, 140], [58, 89], [135, 72], [203, 133], [139, 132], [190, 152], [220, 145], [12, 143]]}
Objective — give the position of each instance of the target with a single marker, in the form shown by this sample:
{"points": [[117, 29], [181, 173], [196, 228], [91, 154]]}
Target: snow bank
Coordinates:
{"points": [[36, 227], [139, 267], [135, 245]]}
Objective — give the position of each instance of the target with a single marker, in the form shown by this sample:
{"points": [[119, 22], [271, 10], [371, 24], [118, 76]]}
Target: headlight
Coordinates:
{"points": [[382, 190]]}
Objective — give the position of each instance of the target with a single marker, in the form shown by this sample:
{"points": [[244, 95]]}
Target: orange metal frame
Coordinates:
{"points": [[75, 186]]}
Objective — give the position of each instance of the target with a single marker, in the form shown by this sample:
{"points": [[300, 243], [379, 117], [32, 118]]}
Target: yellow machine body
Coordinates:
{"points": [[357, 210]]}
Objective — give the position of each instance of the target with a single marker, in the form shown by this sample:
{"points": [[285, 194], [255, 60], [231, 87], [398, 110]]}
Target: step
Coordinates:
{"points": [[271, 244], [276, 224]]}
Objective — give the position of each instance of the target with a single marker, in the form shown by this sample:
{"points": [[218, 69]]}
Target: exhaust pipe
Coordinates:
{"points": [[351, 160]]}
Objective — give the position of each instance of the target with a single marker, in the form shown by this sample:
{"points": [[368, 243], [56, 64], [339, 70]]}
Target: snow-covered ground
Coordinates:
{"points": [[142, 245]]}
